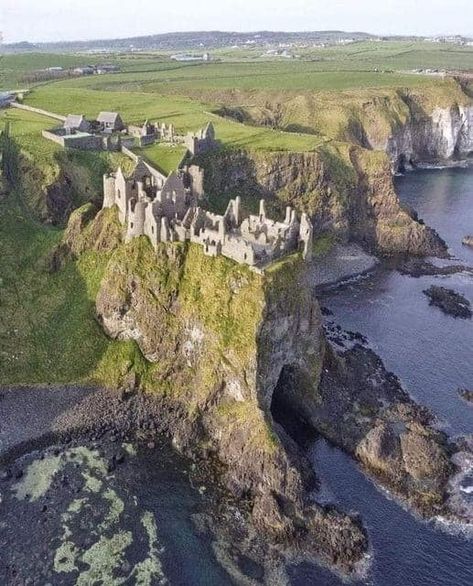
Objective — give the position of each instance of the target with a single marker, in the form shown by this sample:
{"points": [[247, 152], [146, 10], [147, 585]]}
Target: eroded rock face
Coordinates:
{"points": [[379, 221], [347, 190], [217, 336], [444, 134]]}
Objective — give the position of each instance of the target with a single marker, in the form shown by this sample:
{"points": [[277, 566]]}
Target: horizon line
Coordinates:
{"points": [[235, 32]]}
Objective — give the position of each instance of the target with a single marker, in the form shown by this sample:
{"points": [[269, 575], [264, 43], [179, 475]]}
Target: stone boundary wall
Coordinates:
{"points": [[88, 142], [38, 111], [130, 154], [54, 137], [147, 140], [81, 143]]}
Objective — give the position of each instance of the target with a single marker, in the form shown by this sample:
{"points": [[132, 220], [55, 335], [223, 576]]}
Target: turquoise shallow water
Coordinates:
{"points": [[432, 354]]}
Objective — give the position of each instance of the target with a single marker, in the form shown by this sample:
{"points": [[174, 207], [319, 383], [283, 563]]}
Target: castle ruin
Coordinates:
{"points": [[166, 209]]}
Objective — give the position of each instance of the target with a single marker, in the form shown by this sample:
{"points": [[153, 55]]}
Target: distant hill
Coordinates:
{"points": [[189, 40], [22, 47]]}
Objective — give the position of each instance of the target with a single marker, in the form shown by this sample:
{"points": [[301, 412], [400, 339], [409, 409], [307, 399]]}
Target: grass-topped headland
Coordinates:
{"points": [[54, 181], [295, 145]]}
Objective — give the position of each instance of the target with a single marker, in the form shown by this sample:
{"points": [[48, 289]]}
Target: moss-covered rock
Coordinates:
{"points": [[215, 337]]}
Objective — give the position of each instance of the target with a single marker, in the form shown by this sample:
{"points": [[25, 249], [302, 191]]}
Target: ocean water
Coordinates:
{"points": [[432, 353]]}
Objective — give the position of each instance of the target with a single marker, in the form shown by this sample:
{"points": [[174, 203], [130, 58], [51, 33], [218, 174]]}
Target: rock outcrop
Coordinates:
{"points": [[348, 191], [216, 337], [362, 408], [449, 301]]}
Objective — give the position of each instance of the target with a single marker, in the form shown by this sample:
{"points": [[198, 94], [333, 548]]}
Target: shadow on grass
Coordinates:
{"points": [[48, 330]]}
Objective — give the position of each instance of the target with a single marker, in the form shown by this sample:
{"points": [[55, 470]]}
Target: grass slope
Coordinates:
{"points": [[48, 333], [187, 115], [44, 161]]}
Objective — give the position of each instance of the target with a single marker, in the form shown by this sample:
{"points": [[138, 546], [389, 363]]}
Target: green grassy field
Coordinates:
{"points": [[396, 55], [166, 157], [186, 114], [248, 75], [344, 66], [15, 68]]}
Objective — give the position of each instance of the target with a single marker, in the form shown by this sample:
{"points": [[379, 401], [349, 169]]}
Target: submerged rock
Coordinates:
{"points": [[466, 394], [449, 301]]}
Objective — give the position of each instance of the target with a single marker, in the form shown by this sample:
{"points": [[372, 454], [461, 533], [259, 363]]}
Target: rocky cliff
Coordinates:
{"points": [[445, 133], [216, 337], [425, 124], [347, 190]]}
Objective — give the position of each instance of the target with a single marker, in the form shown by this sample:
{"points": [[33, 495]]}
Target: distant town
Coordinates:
{"points": [[184, 44]]}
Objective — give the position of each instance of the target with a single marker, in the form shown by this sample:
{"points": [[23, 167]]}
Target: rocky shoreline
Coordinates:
{"points": [[104, 420], [385, 431]]}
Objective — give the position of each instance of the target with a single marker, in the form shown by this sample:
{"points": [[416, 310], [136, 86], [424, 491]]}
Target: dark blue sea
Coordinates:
{"points": [[432, 353]]}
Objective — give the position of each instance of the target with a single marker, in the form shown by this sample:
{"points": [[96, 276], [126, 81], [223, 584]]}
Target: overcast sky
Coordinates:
{"points": [[55, 20]]}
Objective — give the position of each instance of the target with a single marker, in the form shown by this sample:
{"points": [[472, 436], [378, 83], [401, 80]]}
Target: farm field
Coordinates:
{"points": [[15, 68], [275, 76], [392, 54], [187, 115], [247, 67]]}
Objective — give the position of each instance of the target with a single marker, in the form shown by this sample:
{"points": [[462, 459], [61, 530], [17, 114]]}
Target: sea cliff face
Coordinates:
{"points": [[447, 133], [215, 337], [347, 190]]}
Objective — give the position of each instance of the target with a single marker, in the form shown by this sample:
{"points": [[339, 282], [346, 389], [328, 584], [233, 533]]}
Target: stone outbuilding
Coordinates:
{"points": [[110, 122], [77, 122]]}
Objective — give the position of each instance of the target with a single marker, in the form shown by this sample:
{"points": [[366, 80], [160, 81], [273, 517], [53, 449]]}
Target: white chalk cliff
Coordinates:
{"points": [[445, 134]]}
